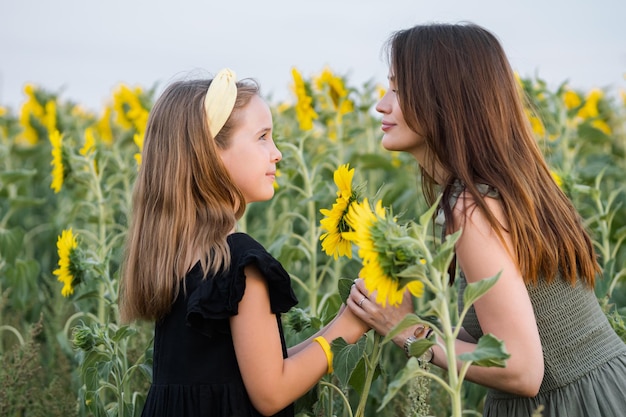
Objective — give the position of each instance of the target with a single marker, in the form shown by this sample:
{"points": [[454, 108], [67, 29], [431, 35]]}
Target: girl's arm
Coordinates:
{"points": [[297, 348], [271, 381]]}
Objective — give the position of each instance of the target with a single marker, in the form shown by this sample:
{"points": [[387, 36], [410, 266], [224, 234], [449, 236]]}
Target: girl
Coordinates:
{"points": [[453, 104], [216, 295]]}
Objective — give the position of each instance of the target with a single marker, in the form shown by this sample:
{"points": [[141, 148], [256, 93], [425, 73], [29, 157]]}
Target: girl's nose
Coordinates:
{"points": [[276, 155]]}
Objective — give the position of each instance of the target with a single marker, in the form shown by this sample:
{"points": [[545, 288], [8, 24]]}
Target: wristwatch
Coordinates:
{"points": [[407, 344], [427, 357]]}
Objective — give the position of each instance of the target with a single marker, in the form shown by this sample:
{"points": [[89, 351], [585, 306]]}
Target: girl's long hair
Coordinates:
{"points": [[184, 201], [456, 89]]}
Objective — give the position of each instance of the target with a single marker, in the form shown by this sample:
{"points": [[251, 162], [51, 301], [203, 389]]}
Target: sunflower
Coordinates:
{"points": [[68, 272], [58, 170], [334, 224], [386, 252], [138, 139], [305, 113]]}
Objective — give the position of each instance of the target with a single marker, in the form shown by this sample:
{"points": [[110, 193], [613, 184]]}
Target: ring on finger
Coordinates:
{"points": [[361, 302]]}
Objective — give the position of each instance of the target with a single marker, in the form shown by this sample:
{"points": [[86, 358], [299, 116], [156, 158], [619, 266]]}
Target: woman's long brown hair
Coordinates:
{"points": [[457, 89], [184, 202]]}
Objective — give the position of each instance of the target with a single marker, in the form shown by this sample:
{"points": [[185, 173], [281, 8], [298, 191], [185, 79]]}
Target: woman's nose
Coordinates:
{"points": [[382, 106]]}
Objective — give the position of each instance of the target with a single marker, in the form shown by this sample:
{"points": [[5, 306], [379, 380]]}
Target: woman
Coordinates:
{"points": [[453, 103]]}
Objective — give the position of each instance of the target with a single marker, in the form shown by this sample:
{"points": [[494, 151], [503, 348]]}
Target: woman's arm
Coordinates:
{"points": [[271, 381], [504, 311]]}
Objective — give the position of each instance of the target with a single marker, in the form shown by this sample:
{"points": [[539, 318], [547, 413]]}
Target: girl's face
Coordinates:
{"points": [[251, 156], [397, 134]]}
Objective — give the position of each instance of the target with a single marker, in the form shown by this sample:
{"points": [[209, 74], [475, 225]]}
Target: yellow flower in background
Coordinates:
{"points": [[332, 129], [31, 109], [571, 99], [396, 162], [557, 178], [537, 126], [58, 171], [80, 112], [380, 91], [334, 223], [66, 245], [129, 109], [590, 108], [304, 108], [335, 89], [138, 139], [283, 107], [50, 116], [602, 126], [275, 183], [90, 142], [103, 126], [3, 111], [383, 251], [518, 79]]}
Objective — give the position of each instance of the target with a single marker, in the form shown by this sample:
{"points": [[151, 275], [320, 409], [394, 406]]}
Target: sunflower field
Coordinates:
{"points": [[66, 178]]}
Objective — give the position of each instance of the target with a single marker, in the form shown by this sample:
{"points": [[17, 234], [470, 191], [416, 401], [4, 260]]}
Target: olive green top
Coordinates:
{"points": [[576, 337]]}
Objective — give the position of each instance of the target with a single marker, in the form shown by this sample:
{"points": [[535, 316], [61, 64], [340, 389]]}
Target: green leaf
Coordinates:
{"points": [[11, 241], [26, 202], [123, 333], [408, 321], [445, 252], [344, 285], [475, 290], [490, 351], [409, 372], [420, 346], [93, 358], [412, 273], [427, 216], [16, 175], [346, 357], [357, 379]]}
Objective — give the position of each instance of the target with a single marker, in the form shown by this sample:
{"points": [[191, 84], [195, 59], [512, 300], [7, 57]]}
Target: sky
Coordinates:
{"points": [[83, 49]]}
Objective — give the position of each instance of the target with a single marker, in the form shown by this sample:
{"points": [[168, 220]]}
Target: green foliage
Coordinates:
{"points": [[81, 361], [29, 389]]}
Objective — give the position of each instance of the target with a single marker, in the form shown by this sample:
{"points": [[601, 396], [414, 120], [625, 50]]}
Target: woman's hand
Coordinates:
{"points": [[381, 319]]}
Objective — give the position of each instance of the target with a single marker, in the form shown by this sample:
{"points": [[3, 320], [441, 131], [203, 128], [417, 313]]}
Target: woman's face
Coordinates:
{"points": [[397, 134], [251, 156]]}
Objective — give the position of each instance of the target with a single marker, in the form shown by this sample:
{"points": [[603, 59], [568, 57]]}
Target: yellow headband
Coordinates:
{"points": [[220, 100]]}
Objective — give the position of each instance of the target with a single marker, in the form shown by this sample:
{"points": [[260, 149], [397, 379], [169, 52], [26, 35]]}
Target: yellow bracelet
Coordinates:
{"points": [[329, 353]]}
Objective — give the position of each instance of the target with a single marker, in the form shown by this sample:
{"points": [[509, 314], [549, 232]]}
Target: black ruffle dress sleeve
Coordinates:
{"points": [[217, 297]]}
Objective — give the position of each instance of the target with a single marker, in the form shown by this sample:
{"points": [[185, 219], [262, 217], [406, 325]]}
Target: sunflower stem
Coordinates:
{"points": [[370, 365], [449, 337]]}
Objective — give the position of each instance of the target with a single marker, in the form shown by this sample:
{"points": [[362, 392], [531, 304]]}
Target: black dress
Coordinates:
{"points": [[195, 370]]}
